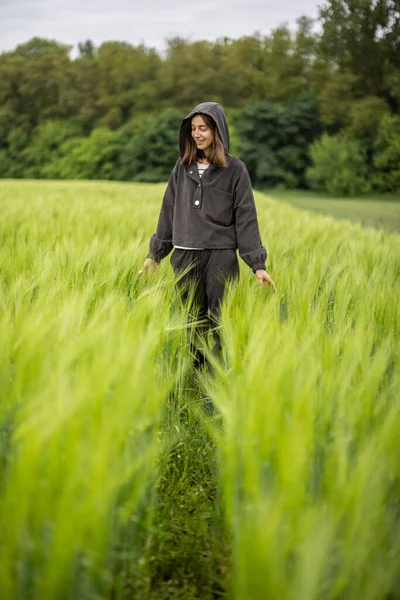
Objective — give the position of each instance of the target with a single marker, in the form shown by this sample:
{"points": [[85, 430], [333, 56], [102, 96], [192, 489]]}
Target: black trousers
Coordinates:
{"points": [[203, 275]]}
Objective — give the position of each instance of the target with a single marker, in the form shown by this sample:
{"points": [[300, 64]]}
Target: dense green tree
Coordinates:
{"points": [[387, 154], [363, 121], [362, 37], [12, 160], [83, 94], [305, 48], [365, 116], [191, 73], [31, 82], [92, 157], [336, 99], [6, 165], [127, 81], [242, 62], [87, 49], [12, 114], [44, 78], [37, 46], [339, 166], [284, 74], [153, 150], [275, 140], [46, 145]]}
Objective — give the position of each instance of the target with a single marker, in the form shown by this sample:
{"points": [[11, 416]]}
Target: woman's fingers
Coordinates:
{"points": [[262, 277], [271, 284], [147, 263], [143, 269]]}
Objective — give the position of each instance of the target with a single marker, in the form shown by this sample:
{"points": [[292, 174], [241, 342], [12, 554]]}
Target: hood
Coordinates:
{"points": [[216, 112]]}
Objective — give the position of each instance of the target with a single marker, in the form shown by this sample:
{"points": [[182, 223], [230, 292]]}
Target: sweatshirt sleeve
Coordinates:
{"points": [[161, 241], [249, 242]]}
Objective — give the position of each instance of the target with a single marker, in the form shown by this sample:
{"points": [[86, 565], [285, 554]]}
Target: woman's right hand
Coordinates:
{"points": [[149, 263]]}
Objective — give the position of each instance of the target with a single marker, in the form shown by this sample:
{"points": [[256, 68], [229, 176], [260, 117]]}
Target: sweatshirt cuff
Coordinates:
{"points": [[150, 255], [257, 266], [255, 259], [159, 248]]}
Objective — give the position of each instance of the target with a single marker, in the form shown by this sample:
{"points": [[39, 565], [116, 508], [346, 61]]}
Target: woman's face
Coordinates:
{"points": [[202, 134]]}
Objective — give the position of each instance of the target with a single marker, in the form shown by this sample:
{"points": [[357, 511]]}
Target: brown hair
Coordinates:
{"points": [[216, 155]]}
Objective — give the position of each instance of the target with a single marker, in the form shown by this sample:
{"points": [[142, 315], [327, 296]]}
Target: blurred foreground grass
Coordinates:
{"points": [[115, 484]]}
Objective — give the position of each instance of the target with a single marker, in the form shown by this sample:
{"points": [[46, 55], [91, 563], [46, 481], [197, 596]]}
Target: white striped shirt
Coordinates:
{"points": [[201, 168]]}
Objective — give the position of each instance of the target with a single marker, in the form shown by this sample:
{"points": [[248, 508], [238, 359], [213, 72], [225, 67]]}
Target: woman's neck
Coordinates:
{"points": [[203, 159]]}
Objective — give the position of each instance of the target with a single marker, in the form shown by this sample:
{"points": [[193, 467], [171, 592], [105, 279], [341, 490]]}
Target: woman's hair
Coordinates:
{"points": [[216, 155]]}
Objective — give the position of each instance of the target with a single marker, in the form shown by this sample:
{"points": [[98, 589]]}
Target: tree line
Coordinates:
{"points": [[315, 108]]}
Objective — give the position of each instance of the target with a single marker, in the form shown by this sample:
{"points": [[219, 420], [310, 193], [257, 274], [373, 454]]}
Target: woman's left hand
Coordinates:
{"points": [[263, 277]]}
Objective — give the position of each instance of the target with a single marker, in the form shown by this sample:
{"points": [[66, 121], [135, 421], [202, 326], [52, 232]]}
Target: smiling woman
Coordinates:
{"points": [[202, 133], [204, 143], [208, 212]]}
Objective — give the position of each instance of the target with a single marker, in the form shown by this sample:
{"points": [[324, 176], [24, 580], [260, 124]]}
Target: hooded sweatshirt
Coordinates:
{"points": [[215, 212]]}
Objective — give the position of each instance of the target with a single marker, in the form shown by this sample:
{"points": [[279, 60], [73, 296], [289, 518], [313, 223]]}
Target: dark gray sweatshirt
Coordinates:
{"points": [[214, 212]]}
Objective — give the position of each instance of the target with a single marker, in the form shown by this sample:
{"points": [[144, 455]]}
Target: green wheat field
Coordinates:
{"points": [[116, 484]]}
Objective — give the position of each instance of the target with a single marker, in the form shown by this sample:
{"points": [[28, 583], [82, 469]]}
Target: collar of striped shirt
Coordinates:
{"points": [[202, 168]]}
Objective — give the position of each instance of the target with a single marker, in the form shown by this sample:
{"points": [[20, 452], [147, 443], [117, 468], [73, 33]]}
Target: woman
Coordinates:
{"points": [[207, 213]]}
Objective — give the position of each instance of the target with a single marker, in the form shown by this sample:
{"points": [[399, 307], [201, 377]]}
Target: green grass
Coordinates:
{"points": [[379, 211], [114, 484]]}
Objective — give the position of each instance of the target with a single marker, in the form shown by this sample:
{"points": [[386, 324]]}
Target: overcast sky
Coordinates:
{"points": [[146, 21]]}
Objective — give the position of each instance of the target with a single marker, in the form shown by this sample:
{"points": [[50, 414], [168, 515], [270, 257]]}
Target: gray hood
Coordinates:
{"points": [[216, 112]]}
